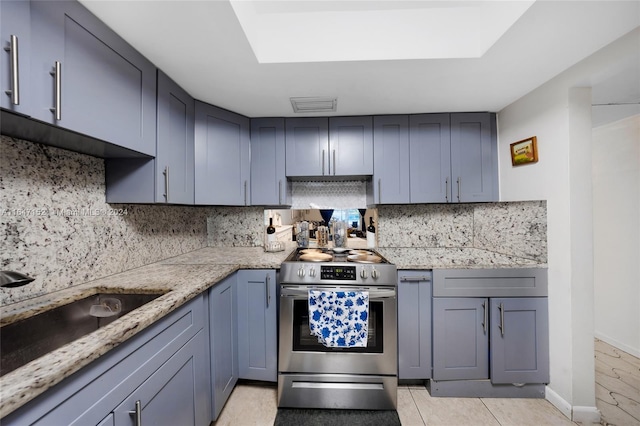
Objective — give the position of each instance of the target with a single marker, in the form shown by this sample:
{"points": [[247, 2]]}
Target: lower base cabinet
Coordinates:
{"points": [[414, 324], [223, 340], [164, 369]]}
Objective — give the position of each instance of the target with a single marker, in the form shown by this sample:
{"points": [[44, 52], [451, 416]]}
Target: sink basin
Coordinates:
{"points": [[23, 341]]}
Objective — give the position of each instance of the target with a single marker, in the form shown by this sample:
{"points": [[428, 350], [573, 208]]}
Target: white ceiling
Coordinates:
{"points": [[202, 46]]}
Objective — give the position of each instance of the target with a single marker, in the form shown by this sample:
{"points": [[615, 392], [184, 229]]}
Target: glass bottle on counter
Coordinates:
{"points": [[371, 234], [271, 232]]}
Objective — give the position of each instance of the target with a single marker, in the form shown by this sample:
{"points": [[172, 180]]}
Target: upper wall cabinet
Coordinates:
{"points": [[15, 34], [222, 157], [87, 79], [169, 178], [444, 158], [337, 146], [269, 185]]}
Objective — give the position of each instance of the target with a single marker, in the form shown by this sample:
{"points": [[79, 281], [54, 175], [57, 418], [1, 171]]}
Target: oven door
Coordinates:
{"points": [[300, 352]]}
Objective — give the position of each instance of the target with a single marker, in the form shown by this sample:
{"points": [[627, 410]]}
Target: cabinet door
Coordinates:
{"points": [[351, 146], [473, 157], [108, 89], [430, 158], [268, 178], [460, 338], [257, 325], [391, 159], [222, 152], [414, 325], [307, 146], [519, 340], [175, 147], [224, 341], [176, 394], [15, 20]]}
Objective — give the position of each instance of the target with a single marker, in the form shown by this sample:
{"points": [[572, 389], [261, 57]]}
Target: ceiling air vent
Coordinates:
{"points": [[316, 104]]}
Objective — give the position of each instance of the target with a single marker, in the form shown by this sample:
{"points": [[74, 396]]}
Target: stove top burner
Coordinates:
{"points": [[337, 255]]}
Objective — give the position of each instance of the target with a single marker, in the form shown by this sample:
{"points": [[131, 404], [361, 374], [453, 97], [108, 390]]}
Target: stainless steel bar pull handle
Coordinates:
{"points": [[501, 308], [446, 190], [166, 183], [415, 279], [486, 316], [268, 289], [245, 192], [323, 162], [15, 71], [57, 75], [379, 190], [137, 413], [280, 192], [334, 162], [459, 183]]}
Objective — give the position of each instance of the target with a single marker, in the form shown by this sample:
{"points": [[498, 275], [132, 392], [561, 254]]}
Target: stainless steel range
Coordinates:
{"points": [[313, 375]]}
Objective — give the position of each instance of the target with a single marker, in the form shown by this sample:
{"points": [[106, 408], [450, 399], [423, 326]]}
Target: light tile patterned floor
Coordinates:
{"points": [[617, 386], [617, 393]]}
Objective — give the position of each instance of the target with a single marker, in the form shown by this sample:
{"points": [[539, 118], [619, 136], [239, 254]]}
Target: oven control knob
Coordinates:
{"points": [[301, 272], [312, 272], [363, 274], [374, 273]]}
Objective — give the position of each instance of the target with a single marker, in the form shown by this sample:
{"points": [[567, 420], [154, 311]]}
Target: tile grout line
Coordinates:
{"points": [[424, 422], [489, 410]]}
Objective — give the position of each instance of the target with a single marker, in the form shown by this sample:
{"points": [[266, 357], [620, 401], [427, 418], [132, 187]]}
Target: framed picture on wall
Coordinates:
{"points": [[524, 152]]}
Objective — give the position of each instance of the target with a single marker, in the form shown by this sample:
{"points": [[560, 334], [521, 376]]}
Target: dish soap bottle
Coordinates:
{"points": [[371, 234], [271, 232]]}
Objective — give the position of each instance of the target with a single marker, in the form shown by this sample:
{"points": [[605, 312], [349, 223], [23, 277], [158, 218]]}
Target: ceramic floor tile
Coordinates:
{"points": [[250, 405], [524, 412], [452, 411], [407, 409]]}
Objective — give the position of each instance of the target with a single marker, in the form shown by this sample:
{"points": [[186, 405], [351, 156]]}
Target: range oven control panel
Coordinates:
{"points": [[329, 272]]}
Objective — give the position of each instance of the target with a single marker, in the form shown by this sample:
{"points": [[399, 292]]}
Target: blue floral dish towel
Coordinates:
{"points": [[339, 318]]}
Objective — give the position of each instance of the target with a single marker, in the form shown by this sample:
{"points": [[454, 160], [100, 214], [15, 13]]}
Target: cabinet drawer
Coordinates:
{"points": [[517, 282]]}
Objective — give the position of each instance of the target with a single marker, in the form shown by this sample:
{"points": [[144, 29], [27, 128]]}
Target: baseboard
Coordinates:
{"points": [[613, 342], [586, 415], [558, 402], [576, 414]]}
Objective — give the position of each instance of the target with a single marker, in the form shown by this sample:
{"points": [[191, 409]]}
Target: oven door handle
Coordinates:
{"points": [[303, 291]]}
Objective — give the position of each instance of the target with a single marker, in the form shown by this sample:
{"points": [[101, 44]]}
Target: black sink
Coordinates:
{"points": [[23, 341]]}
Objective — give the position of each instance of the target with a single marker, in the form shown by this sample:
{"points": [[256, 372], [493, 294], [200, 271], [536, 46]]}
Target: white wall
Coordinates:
{"points": [[616, 214], [559, 114]]}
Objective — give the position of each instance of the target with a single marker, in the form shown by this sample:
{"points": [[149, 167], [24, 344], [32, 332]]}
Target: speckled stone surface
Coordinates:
{"points": [[464, 235], [184, 277], [56, 226], [236, 227]]}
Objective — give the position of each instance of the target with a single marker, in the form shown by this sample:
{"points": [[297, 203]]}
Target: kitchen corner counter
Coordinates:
{"points": [[442, 258], [182, 278]]}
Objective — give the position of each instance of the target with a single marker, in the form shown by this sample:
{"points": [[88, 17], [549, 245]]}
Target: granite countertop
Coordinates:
{"points": [[182, 278], [450, 257]]}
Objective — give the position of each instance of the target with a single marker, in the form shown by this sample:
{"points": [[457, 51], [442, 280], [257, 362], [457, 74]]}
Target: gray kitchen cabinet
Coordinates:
{"points": [[351, 146], [223, 340], [87, 79], [414, 324], [222, 156], [430, 158], [474, 170], [169, 178], [460, 338], [391, 159], [269, 185], [15, 34], [335, 146], [164, 366], [513, 330], [307, 146], [257, 325], [519, 340]]}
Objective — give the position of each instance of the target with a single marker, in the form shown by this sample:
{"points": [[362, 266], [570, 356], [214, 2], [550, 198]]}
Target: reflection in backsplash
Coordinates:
{"points": [[288, 223]]}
